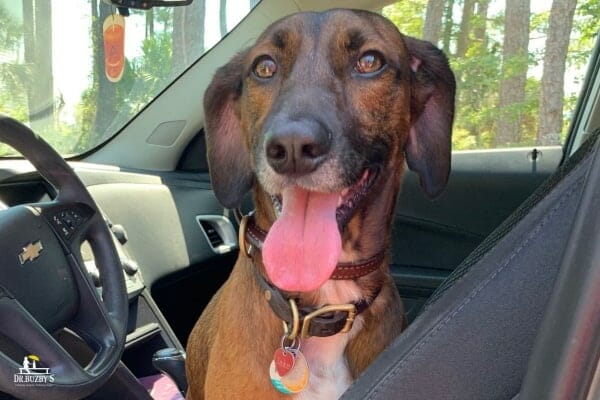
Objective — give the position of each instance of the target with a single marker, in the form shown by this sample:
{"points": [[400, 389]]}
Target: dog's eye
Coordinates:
{"points": [[264, 67], [369, 63]]}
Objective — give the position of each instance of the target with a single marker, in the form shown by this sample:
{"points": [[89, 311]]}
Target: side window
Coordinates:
{"points": [[519, 64]]}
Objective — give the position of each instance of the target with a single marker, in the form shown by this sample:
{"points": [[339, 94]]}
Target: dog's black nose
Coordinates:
{"points": [[297, 147]]}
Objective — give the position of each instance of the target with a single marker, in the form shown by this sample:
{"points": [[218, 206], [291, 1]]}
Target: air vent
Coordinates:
{"points": [[212, 234], [219, 232]]}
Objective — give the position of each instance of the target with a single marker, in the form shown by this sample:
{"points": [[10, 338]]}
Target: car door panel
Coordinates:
{"points": [[431, 237]]}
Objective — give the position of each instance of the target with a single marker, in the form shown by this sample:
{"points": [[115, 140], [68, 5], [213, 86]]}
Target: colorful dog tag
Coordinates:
{"points": [[296, 378]]}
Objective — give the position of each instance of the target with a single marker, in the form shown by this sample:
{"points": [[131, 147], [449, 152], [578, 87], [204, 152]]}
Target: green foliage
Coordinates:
{"points": [[13, 75], [480, 71], [154, 67], [408, 16], [586, 25]]}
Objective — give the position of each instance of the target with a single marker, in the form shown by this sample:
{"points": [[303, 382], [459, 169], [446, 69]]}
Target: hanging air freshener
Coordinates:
{"points": [[113, 32]]}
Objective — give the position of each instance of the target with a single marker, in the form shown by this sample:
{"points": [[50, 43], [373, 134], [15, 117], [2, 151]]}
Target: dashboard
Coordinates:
{"points": [[22, 192]]}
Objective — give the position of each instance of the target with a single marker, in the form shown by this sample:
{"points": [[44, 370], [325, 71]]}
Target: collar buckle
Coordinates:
{"points": [[349, 309], [300, 326]]}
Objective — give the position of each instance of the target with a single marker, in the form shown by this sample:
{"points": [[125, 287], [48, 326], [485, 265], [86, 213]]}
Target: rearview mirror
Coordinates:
{"points": [[148, 4]]}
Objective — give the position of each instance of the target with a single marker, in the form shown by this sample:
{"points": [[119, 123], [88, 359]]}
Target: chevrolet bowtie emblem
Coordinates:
{"points": [[31, 252]]}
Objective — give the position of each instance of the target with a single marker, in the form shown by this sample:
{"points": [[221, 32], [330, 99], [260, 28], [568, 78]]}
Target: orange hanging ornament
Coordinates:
{"points": [[113, 30]]}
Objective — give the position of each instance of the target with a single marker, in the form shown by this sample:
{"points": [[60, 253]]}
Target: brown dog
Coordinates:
{"points": [[317, 118]]}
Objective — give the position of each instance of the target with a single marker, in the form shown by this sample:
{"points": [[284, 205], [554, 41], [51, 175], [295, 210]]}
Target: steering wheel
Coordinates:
{"points": [[44, 285]]}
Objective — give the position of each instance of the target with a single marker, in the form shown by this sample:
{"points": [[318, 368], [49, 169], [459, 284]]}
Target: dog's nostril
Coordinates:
{"points": [[311, 151], [276, 151]]}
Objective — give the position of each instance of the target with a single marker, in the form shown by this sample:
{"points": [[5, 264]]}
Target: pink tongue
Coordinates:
{"points": [[304, 244]]}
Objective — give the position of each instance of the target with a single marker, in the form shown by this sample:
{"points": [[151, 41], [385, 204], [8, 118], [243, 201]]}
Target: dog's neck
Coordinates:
{"points": [[325, 312], [251, 239]]}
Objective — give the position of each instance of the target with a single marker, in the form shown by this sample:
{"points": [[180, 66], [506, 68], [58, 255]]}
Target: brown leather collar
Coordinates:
{"points": [[305, 322], [252, 238]]}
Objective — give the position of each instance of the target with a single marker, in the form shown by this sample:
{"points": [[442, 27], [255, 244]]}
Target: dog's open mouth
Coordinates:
{"points": [[349, 198], [304, 244]]}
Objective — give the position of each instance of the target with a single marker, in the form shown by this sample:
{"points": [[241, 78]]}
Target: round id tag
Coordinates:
{"points": [[296, 379]]}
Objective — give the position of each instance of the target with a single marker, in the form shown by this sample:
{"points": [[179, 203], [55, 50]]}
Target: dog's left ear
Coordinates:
{"points": [[428, 147], [228, 158]]}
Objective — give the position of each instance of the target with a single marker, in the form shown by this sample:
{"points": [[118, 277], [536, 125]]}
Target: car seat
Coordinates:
{"points": [[474, 337]]}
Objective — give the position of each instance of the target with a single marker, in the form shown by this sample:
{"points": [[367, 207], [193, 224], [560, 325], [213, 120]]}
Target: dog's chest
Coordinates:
{"points": [[329, 372]]}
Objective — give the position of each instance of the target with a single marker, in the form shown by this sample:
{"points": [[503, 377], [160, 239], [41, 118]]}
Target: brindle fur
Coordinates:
{"points": [[402, 114]]}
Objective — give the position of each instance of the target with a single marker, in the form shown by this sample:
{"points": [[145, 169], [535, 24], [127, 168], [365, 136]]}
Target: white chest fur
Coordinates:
{"points": [[329, 373]]}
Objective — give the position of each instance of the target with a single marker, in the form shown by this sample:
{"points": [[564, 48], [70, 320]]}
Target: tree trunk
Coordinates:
{"points": [[514, 73], [552, 86], [433, 21], [462, 42], [448, 26], [480, 24], [188, 32], [149, 23], [38, 54], [29, 51]]}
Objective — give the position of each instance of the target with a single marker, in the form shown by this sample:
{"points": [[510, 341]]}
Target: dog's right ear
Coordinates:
{"points": [[228, 157]]}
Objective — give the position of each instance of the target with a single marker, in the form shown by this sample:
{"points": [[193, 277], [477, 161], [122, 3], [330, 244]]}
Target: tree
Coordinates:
{"points": [[188, 44], [514, 72], [433, 21], [462, 42], [13, 100], [552, 88], [480, 23], [448, 26], [149, 23], [37, 40]]}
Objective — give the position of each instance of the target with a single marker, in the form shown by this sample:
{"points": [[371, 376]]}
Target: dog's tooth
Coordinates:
{"points": [[276, 205]]}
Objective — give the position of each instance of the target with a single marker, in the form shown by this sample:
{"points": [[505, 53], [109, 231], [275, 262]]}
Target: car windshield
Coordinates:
{"points": [[77, 71]]}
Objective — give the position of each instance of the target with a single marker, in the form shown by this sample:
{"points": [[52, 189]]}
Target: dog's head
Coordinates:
{"points": [[320, 115]]}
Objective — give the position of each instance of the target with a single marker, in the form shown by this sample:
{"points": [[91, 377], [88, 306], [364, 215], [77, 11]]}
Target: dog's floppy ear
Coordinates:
{"points": [[428, 148], [228, 157]]}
